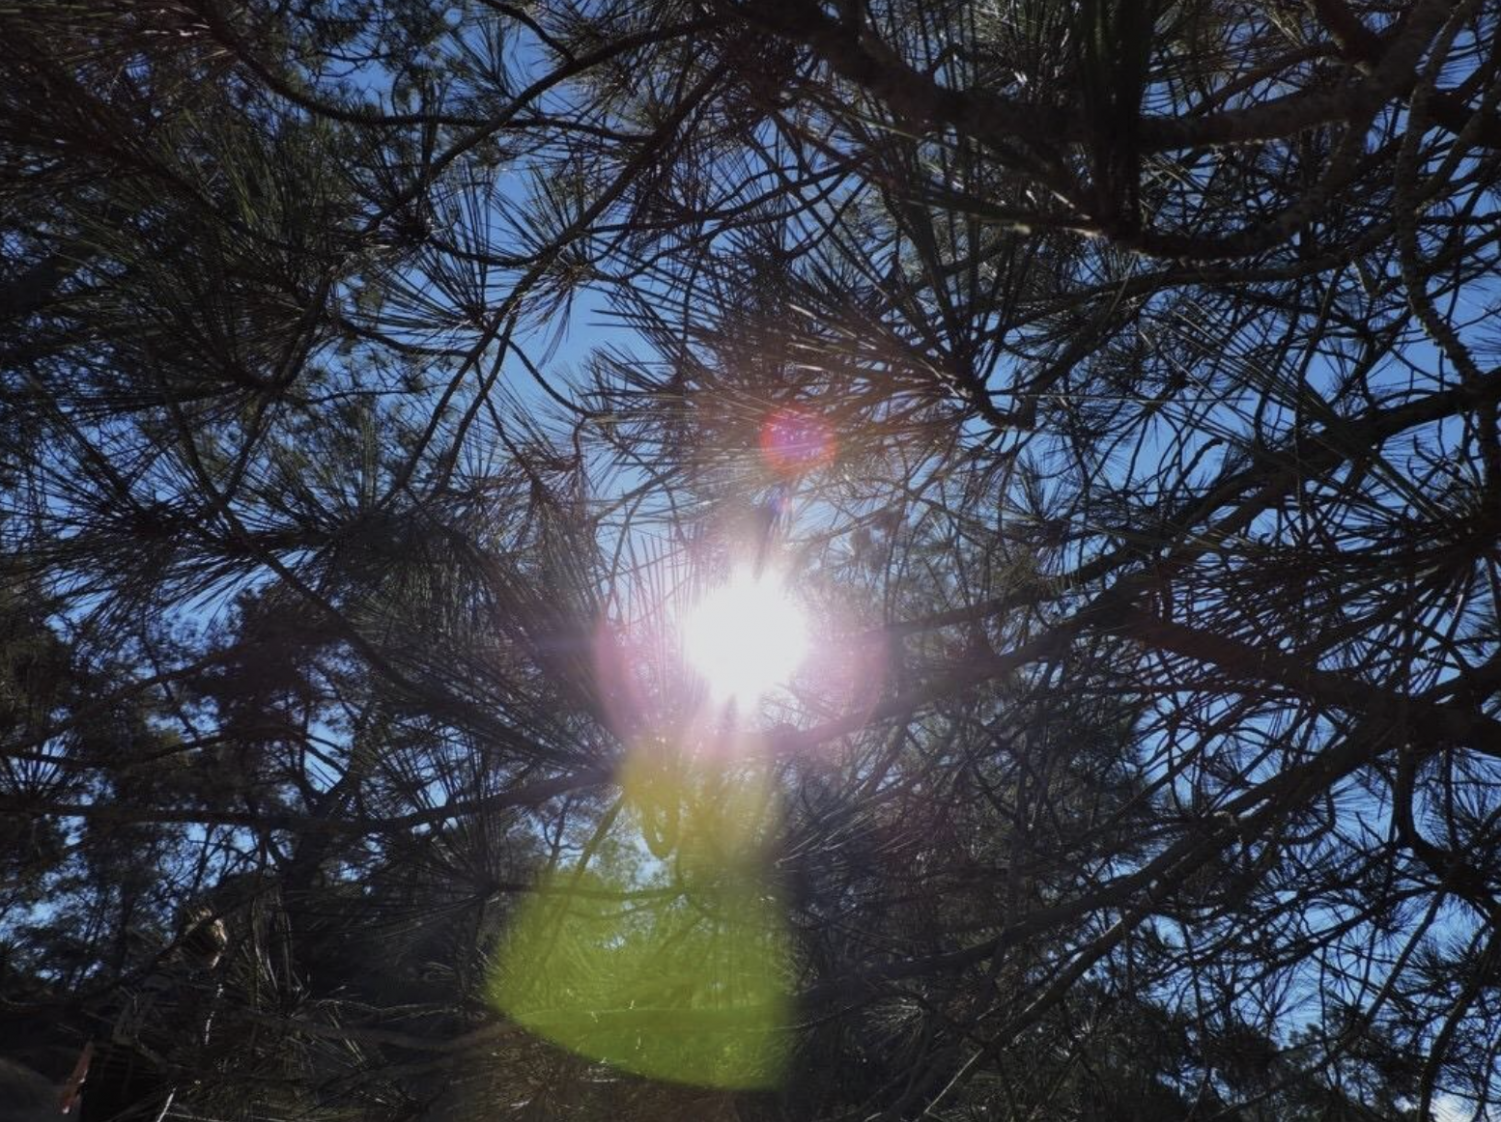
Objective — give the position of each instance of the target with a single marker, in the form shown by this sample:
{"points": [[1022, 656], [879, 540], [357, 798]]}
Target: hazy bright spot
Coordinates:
{"points": [[793, 442], [667, 954], [746, 636]]}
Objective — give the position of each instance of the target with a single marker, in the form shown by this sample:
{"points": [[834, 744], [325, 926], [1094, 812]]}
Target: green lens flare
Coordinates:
{"points": [[665, 953]]}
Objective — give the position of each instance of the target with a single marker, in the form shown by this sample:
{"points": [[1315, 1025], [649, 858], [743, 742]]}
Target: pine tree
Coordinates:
{"points": [[1111, 382]]}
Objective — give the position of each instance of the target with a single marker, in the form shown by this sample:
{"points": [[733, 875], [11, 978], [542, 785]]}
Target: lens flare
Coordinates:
{"points": [[675, 967], [746, 637], [794, 442]]}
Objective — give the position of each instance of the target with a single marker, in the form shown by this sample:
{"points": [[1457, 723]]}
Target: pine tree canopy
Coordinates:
{"points": [[750, 560]]}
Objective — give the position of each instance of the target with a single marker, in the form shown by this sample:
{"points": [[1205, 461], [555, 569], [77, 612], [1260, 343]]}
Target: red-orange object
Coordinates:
{"points": [[74, 1083], [794, 442]]}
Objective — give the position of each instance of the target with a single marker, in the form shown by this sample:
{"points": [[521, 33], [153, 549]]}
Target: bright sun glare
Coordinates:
{"points": [[745, 637]]}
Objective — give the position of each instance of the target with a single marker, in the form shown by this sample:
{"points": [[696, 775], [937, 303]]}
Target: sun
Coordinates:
{"points": [[746, 637]]}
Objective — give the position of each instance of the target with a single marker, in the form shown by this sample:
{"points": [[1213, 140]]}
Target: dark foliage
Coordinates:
{"points": [[1116, 378]]}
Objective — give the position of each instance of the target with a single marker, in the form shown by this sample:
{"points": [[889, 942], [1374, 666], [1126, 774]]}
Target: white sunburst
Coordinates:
{"points": [[746, 637]]}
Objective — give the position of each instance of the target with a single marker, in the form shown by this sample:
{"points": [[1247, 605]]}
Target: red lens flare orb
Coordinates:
{"points": [[794, 442]]}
